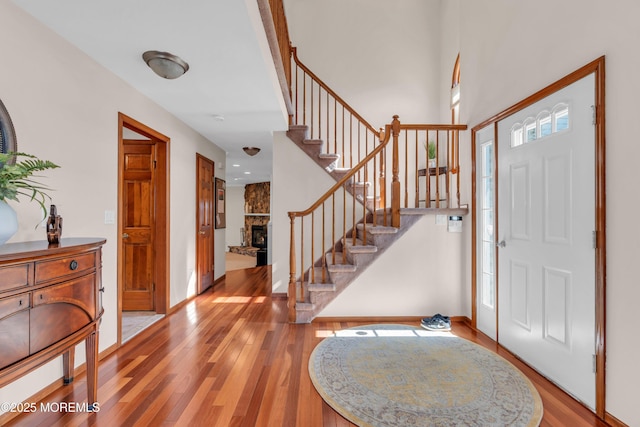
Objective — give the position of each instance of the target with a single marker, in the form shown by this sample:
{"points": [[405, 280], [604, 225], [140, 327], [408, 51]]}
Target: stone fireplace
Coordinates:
{"points": [[257, 203]]}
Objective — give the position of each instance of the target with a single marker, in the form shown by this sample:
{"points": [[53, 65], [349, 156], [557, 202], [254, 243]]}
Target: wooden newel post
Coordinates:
{"points": [[395, 183], [292, 292]]}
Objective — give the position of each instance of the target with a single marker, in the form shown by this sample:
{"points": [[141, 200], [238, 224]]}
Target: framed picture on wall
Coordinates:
{"points": [[220, 204]]}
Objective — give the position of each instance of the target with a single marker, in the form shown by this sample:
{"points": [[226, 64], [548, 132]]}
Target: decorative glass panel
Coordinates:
{"points": [[545, 125], [487, 193], [487, 225], [488, 290], [530, 132], [487, 159], [517, 136], [562, 119]]}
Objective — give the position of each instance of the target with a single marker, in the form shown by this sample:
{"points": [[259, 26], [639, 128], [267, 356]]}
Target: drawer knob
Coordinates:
{"points": [[73, 265]]}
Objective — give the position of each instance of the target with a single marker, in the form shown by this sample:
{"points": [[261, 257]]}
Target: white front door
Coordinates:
{"points": [[546, 219]]}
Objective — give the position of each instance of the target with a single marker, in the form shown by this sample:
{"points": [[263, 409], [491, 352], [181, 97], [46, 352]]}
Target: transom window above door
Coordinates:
{"points": [[542, 125]]}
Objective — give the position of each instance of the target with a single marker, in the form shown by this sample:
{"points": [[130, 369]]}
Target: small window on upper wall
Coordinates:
{"points": [[455, 92]]}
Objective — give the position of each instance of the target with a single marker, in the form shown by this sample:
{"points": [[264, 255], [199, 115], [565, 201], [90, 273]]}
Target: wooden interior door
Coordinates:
{"points": [[138, 230], [204, 220]]}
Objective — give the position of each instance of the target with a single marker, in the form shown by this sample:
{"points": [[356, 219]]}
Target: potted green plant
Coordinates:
{"points": [[431, 152], [16, 180]]}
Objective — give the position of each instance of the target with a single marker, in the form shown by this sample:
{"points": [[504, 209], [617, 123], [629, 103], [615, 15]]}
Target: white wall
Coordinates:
{"points": [[235, 215], [381, 57], [65, 108], [419, 275], [510, 50], [297, 183]]}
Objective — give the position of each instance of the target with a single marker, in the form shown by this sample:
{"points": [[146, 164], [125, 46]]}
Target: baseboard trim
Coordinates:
{"points": [[402, 319], [279, 296], [613, 421]]}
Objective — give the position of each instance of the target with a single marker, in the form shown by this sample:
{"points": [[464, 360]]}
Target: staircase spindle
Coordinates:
{"points": [[323, 259], [312, 275], [292, 289]]}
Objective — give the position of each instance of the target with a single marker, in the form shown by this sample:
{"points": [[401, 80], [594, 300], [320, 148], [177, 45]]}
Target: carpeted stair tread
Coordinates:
{"points": [[321, 287], [339, 266], [312, 141], [304, 306], [361, 249], [379, 229]]}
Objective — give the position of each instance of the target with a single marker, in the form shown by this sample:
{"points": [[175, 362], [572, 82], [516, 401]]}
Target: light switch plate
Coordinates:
{"points": [[109, 217], [455, 224]]}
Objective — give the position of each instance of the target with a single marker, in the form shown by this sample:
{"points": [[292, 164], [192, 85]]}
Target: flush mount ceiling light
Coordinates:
{"points": [[165, 64], [252, 151]]}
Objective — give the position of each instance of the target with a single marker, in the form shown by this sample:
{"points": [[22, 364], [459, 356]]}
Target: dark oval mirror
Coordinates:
{"points": [[7, 133]]}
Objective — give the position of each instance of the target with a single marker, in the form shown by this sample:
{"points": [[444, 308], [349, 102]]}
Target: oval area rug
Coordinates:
{"points": [[400, 375]]}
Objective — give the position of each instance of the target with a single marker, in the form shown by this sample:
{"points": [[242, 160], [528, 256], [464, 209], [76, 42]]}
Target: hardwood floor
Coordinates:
{"points": [[229, 358]]}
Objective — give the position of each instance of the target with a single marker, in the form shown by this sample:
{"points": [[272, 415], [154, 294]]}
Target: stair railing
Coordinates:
{"points": [[328, 226], [430, 178], [329, 118], [428, 158]]}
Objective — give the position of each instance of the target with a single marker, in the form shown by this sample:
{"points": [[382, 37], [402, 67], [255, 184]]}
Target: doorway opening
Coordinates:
{"points": [[143, 226]]}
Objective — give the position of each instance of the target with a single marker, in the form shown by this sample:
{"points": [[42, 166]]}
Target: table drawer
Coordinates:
{"points": [[60, 310], [61, 267], [14, 276], [12, 305]]}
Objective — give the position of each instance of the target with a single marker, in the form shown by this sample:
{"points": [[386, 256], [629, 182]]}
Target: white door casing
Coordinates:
{"points": [[546, 211]]}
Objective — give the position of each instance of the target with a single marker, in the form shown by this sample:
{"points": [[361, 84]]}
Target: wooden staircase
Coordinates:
{"points": [[314, 148], [333, 241], [349, 256]]}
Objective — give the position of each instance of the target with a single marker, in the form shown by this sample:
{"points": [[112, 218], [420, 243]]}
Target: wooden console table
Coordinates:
{"points": [[50, 301], [437, 172]]}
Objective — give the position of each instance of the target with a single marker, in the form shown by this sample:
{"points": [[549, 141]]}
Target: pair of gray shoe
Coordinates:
{"points": [[438, 322]]}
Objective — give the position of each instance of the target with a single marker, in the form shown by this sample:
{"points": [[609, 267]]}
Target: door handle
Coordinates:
{"points": [[201, 232], [125, 236], [501, 244]]}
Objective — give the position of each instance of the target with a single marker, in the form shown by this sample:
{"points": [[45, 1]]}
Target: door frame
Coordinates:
{"points": [[596, 67], [162, 232]]}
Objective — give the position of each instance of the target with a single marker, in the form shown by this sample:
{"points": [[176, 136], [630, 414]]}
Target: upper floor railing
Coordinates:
{"points": [[328, 117]]}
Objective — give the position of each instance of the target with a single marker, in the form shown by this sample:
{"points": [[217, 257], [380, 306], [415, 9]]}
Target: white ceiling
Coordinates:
{"points": [[231, 72]]}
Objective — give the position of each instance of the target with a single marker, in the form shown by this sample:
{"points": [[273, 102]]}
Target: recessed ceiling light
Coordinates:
{"points": [[218, 117], [235, 165], [247, 173]]}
